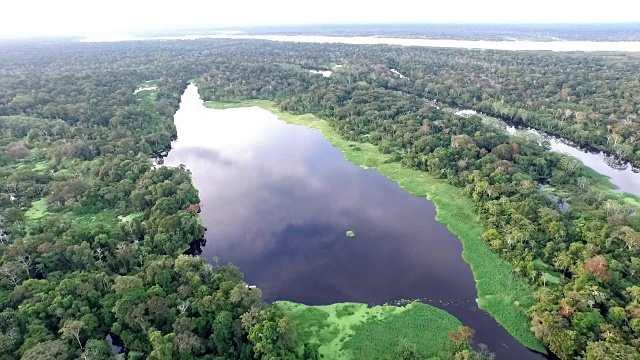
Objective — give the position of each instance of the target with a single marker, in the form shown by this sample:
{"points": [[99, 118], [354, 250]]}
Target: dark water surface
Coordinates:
{"points": [[115, 344], [278, 200]]}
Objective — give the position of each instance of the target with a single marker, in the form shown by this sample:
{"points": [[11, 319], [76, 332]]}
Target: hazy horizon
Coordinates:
{"points": [[39, 18]]}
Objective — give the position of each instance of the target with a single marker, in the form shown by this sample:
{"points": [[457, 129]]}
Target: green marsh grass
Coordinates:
{"points": [[38, 210], [356, 331]]}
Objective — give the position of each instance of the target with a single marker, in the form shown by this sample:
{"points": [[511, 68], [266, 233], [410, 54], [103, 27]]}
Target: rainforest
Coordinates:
{"points": [[241, 199]]}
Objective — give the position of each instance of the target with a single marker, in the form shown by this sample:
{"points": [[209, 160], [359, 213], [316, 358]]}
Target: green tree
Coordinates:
{"points": [[605, 350], [71, 330], [162, 345], [50, 350]]}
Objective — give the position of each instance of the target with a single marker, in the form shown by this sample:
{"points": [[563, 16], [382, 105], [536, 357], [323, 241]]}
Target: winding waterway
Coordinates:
{"points": [[278, 200], [620, 173]]}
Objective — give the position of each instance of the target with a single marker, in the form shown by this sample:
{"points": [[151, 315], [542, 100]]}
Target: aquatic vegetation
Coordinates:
{"points": [[351, 233], [357, 331]]}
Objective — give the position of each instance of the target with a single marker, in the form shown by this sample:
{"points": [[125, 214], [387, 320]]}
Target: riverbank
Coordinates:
{"points": [[345, 331], [620, 178], [603, 183], [500, 292]]}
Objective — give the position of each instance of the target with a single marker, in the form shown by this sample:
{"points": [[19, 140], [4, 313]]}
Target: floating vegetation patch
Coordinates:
{"points": [[356, 331]]}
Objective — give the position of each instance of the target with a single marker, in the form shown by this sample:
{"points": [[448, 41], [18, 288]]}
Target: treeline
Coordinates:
{"points": [[584, 257]]}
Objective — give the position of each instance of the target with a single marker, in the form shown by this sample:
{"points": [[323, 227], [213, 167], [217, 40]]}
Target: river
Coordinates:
{"points": [[620, 173], [625, 46], [278, 200]]}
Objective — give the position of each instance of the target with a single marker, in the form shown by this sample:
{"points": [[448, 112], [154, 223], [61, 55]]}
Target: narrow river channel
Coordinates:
{"points": [[278, 200], [620, 173]]}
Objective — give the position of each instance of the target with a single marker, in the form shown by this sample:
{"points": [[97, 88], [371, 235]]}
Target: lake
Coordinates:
{"points": [[626, 46], [278, 200]]}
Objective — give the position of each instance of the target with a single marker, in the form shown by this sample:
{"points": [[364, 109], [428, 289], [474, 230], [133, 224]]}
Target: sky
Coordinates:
{"points": [[24, 18]]}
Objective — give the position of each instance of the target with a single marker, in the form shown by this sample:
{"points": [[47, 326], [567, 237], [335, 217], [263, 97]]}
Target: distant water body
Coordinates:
{"points": [[624, 46]]}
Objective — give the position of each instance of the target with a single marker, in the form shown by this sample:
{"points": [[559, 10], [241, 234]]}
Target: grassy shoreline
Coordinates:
{"points": [[502, 294], [603, 183], [345, 330]]}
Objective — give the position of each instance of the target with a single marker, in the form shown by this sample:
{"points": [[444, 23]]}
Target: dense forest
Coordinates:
{"points": [[93, 236], [101, 249]]}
